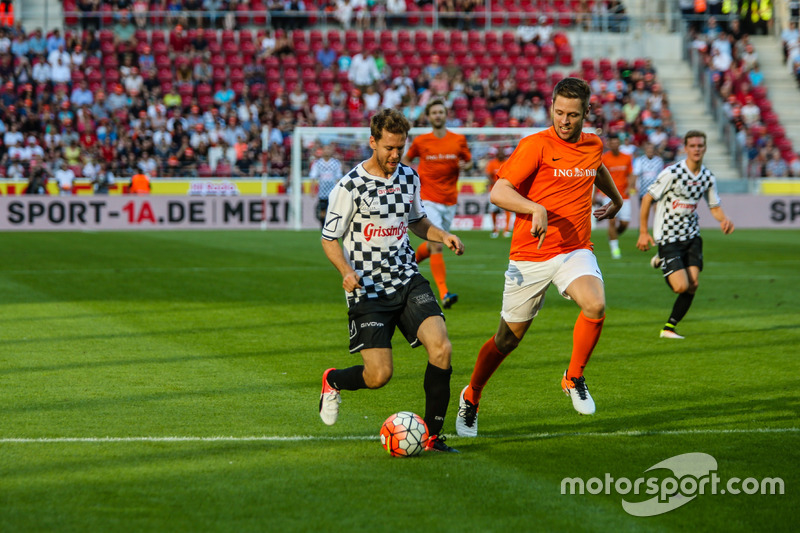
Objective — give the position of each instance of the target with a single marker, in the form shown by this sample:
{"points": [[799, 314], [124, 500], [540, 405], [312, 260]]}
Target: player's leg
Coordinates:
{"points": [[623, 217], [422, 323], [684, 283], [584, 284], [682, 271], [441, 216], [613, 239], [433, 335], [523, 295], [371, 326]]}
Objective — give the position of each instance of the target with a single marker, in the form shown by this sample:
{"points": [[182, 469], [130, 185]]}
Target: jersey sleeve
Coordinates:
{"points": [[413, 150], [417, 211], [341, 209], [466, 155], [712, 194], [314, 172], [521, 164], [660, 186]]}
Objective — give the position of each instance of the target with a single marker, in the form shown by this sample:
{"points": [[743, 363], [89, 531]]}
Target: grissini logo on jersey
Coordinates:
{"points": [[575, 172], [684, 206], [371, 230]]}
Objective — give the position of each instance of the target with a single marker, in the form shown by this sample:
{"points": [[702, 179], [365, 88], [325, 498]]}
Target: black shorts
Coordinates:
{"points": [[322, 208], [373, 320], [680, 255]]}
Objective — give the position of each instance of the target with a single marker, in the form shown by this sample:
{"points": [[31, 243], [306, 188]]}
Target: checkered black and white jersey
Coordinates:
{"points": [[646, 170], [677, 192], [371, 215], [327, 173]]}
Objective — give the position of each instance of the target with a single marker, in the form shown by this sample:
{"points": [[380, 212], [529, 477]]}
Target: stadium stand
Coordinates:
{"points": [[210, 92]]}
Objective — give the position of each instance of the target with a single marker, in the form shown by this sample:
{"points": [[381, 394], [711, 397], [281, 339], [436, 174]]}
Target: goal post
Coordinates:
{"points": [[351, 147]]}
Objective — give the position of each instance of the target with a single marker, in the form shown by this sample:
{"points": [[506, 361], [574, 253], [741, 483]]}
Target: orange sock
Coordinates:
{"points": [[584, 338], [439, 273], [422, 252], [489, 359]]}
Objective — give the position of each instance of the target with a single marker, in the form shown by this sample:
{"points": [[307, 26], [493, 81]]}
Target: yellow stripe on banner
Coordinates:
{"points": [[780, 188]]}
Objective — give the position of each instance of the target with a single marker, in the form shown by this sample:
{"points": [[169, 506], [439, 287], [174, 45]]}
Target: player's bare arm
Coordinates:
{"points": [[645, 240], [505, 196], [605, 183], [335, 254], [424, 229], [725, 224]]}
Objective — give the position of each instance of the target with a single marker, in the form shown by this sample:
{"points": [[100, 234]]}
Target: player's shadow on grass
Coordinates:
{"points": [[160, 456], [696, 413]]}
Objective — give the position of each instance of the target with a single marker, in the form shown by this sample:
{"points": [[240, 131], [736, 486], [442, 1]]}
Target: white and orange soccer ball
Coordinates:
{"points": [[404, 434]]}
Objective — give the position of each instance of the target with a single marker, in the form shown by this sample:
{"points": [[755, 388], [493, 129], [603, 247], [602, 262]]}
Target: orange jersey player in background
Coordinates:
{"points": [[620, 166], [548, 182], [500, 156], [442, 155]]}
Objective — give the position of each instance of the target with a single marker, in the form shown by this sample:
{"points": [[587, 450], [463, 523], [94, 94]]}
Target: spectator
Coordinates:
{"points": [[298, 99], [322, 112], [123, 29], [65, 177], [37, 43], [363, 70], [81, 95], [326, 56], [372, 100], [776, 167], [395, 13], [60, 73], [55, 41]]}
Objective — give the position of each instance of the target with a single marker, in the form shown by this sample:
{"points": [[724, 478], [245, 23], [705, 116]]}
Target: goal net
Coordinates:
{"points": [[351, 147]]}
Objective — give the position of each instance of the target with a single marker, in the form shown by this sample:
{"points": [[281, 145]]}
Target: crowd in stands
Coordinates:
{"points": [[731, 62], [215, 102], [609, 15]]}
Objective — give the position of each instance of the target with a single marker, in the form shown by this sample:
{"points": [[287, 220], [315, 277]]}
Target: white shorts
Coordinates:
{"points": [[527, 282], [440, 215], [625, 213]]}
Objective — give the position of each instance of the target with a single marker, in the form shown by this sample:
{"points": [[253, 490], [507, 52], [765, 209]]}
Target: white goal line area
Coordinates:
{"points": [[344, 438]]}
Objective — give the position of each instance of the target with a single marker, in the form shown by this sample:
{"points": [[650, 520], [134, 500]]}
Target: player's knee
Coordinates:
{"points": [[506, 341], [679, 287], [692, 288], [375, 378], [440, 354], [594, 309]]}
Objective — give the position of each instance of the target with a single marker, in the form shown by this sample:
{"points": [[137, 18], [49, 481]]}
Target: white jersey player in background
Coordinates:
{"points": [[677, 190]]}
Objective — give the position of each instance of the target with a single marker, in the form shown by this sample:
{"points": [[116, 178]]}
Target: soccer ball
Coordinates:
{"points": [[404, 434]]}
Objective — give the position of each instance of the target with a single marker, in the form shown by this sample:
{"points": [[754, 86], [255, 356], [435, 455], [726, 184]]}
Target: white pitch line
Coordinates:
{"points": [[298, 438]]}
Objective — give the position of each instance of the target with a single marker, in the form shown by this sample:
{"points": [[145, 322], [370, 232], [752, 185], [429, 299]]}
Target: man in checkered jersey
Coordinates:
{"points": [[677, 191], [371, 210]]}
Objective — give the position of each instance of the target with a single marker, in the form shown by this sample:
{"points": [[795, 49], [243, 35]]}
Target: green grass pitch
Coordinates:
{"points": [[169, 381]]}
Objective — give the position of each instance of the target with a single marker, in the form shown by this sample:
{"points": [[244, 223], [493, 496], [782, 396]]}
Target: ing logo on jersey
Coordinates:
{"points": [[575, 172]]}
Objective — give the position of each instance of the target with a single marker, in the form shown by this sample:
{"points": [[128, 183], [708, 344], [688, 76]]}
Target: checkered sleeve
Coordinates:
{"points": [[661, 184], [417, 212]]}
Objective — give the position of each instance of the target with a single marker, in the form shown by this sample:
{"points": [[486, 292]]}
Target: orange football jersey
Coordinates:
{"points": [[559, 176], [438, 165]]}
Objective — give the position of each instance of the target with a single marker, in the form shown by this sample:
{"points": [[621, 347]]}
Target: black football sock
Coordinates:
{"points": [[437, 396], [347, 378], [680, 308]]}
